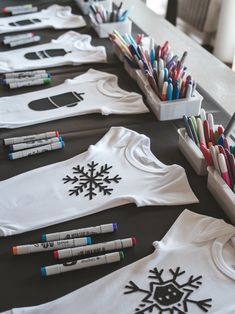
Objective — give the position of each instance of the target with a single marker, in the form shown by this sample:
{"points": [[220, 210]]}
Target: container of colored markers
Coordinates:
{"points": [[24, 79], [84, 5], [162, 76], [29, 145], [104, 21]]}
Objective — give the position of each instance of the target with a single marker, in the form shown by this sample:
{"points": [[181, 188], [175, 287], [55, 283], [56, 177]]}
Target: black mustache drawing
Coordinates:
{"points": [[69, 99], [25, 22], [44, 54]]}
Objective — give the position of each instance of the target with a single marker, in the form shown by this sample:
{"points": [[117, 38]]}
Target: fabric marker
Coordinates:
{"points": [[24, 74], [170, 91], [80, 232], [206, 153], [8, 39], [187, 127], [10, 8], [36, 150], [39, 81], [194, 132], [50, 246], [96, 248], [224, 169], [25, 41], [189, 91], [27, 138], [15, 79], [206, 132], [194, 121], [22, 146], [228, 163], [200, 131], [82, 263], [177, 90], [231, 161], [203, 114], [211, 127], [164, 91], [222, 151], [24, 11], [214, 156]]}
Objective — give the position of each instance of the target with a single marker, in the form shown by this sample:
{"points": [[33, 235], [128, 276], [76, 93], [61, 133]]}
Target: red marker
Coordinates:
{"points": [[224, 169], [206, 132], [207, 155]]}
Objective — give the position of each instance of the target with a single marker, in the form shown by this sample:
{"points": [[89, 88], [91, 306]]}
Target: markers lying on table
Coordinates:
{"points": [[20, 146], [8, 39], [80, 232], [96, 248], [49, 246], [83, 263], [27, 138], [36, 150], [165, 72], [20, 9], [24, 79]]}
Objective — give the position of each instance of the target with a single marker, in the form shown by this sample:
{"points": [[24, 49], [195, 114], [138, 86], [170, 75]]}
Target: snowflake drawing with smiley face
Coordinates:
{"points": [[168, 296]]}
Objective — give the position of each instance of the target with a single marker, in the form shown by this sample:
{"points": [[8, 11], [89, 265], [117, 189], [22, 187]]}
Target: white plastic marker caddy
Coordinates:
{"points": [[49, 246], [96, 248], [28, 138], [82, 263], [80, 232]]}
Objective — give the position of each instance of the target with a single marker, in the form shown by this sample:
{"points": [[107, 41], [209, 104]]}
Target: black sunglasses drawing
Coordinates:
{"points": [[25, 22], [44, 54], [69, 99]]}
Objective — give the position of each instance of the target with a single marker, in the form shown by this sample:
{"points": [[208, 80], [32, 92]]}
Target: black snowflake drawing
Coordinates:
{"points": [[168, 296], [92, 181]]}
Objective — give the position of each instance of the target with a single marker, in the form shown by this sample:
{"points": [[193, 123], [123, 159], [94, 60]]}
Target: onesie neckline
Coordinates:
{"points": [[217, 255], [116, 92]]}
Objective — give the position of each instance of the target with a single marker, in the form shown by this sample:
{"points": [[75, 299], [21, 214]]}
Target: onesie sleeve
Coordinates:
{"points": [[195, 228]]}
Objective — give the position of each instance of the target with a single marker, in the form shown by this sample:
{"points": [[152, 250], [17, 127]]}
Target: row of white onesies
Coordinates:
{"points": [[56, 16], [192, 270], [118, 170], [91, 92], [69, 48]]}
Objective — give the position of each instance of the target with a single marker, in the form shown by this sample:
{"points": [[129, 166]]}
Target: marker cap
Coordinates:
{"points": [[89, 241], [14, 250], [43, 271], [133, 241], [115, 227], [56, 255], [56, 133], [44, 238]]}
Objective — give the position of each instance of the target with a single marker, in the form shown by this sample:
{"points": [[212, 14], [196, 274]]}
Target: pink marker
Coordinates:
{"points": [[206, 153], [224, 169]]}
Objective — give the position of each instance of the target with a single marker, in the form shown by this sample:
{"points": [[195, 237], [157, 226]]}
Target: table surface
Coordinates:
{"points": [[21, 282]]}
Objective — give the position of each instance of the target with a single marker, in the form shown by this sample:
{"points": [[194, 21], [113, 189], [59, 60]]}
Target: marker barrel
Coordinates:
{"points": [[24, 10], [49, 246], [24, 74], [83, 263], [8, 39], [25, 41], [16, 7], [27, 145], [16, 80], [95, 248], [27, 138], [36, 150], [80, 232], [31, 82]]}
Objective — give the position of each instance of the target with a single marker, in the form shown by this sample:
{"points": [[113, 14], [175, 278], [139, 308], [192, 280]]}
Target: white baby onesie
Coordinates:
{"points": [[118, 170], [55, 16], [192, 270], [91, 92], [69, 48]]}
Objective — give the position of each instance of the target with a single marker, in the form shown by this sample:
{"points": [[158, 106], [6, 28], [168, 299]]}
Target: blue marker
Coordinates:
{"points": [[177, 90], [170, 92], [187, 127]]}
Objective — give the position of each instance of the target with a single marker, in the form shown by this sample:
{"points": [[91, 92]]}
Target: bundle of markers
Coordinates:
{"points": [[20, 9], [77, 243], [22, 39], [24, 79], [100, 15], [213, 145], [28, 145], [165, 71]]}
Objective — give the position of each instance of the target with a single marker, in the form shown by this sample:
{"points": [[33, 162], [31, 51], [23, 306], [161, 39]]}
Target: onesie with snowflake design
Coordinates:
{"points": [[191, 271], [118, 170]]}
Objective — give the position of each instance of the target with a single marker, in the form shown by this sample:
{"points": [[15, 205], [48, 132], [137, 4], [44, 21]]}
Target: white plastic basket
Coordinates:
{"points": [[192, 153], [221, 192], [103, 30]]}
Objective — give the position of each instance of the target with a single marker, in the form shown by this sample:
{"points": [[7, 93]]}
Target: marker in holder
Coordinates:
{"points": [[84, 6]]}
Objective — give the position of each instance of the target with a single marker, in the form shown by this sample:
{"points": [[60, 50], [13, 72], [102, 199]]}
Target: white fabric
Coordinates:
{"points": [[55, 16], [41, 197], [101, 94], [192, 270], [78, 51]]}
